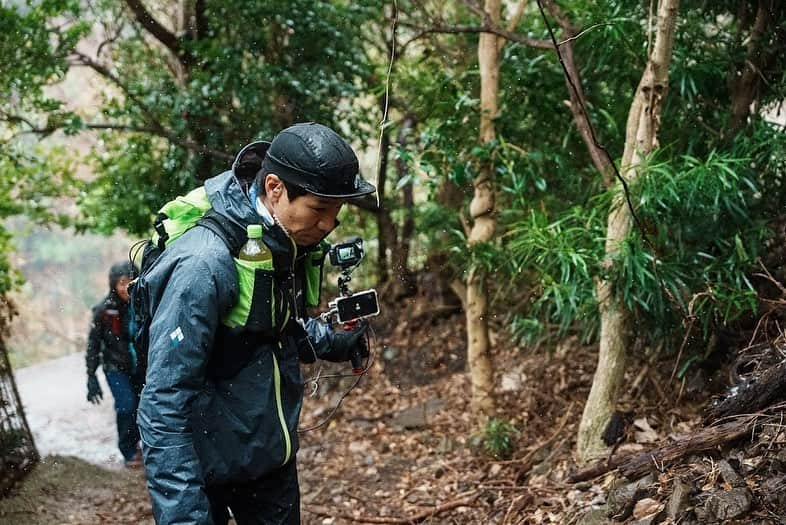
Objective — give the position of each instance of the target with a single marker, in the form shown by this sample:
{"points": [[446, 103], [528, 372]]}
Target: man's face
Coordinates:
{"points": [[122, 288], [308, 218]]}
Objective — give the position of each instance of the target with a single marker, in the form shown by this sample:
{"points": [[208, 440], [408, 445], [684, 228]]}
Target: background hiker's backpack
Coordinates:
{"points": [[173, 220]]}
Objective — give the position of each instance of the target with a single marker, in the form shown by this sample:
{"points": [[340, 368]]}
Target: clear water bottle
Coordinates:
{"points": [[254, 249]]}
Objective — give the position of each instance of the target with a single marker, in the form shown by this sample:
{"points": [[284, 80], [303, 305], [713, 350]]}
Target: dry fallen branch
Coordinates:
{"points": [[417, 518], [635, 466]]}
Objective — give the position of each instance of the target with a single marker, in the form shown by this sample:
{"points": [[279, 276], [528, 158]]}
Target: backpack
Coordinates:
{"points": [[173, 220]]}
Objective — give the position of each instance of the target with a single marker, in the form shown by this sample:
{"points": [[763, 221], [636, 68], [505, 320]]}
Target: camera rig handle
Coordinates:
{"points": [[355, 358]]}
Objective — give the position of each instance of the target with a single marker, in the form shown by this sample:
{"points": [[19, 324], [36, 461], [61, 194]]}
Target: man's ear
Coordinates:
{"points": [[273, 186]]}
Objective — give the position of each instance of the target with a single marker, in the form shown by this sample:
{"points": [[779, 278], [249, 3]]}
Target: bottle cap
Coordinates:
{"points": [[254, 231]]}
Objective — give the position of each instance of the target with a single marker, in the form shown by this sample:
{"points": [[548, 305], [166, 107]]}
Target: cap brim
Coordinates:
{"points": [[363, 188]]}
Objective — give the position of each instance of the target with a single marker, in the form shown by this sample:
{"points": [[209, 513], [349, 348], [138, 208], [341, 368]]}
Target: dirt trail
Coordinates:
{"points": [[81, 479], [61, 419]]}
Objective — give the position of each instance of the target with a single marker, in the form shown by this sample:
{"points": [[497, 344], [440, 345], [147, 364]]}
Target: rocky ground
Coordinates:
{"points": [[403, 448]]}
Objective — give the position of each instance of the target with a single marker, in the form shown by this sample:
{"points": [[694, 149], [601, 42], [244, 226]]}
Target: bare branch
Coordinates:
{"points": [[509, 35], [157, 131], [110, 40], [583, 31], [162, 34], [157, 127], [514, 20]]}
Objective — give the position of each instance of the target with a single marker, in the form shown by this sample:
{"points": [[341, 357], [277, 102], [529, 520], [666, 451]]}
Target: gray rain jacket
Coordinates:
{"points": [[198, 430]]}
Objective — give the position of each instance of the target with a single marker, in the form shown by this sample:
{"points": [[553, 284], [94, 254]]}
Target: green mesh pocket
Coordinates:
{"points": [[260, 306], [314, 262]]}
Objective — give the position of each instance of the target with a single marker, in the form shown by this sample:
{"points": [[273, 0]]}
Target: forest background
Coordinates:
{"points": [[623, 194]]}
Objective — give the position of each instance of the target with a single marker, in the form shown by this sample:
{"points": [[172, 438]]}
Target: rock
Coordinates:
{"points": [[646, 508], [643, 432], [357, 447], [649, 520], [730, 475], [622, 494], [417, 416], [728, 504], [512, 380], [678, 500], [597, 516]]}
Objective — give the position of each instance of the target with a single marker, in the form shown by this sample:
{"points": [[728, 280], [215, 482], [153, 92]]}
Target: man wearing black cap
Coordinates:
{"points": [[219, 413]]}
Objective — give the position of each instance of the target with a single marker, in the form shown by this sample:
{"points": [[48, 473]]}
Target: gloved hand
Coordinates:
{"points": [[346, 343], [94, 394]]}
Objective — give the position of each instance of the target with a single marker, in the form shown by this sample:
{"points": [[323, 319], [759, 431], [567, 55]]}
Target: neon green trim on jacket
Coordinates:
{"points": [[280, 407]]}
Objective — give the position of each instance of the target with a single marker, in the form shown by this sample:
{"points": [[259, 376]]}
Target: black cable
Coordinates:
{"points": [[357, 377]]}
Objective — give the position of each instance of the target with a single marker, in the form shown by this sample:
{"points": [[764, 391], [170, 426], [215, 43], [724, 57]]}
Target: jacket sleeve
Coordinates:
{"points": [[182, 330], [321, 337], [93, 354]]}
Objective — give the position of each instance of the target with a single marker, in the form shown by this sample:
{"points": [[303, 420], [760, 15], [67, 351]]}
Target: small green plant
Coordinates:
{"points": [[499, 438]]}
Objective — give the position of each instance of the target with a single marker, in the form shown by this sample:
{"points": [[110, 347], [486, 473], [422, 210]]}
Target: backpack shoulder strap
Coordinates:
{"points": [[233, 235]]}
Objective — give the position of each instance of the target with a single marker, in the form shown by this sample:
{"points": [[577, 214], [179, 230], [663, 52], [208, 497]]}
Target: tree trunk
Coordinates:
{"points": [[482, 213], [746, 79], [577, 97], [405, 285], [640, 139], [386, 232]]}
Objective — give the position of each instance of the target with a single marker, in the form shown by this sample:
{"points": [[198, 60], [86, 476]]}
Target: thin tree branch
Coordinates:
{"points": [[158, 128], [162, 34], [509, 35], [110, 40], [514, 20], [157, 131], [583, 31]]}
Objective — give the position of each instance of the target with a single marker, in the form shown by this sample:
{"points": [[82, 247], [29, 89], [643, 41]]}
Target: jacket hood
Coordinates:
{"points": [[228, 192], [248, 161]]}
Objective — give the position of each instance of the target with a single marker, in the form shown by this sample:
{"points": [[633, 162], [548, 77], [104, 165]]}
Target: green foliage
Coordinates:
{"points": [[30, 184], [704, 198], [499, 438], [130, 204], [702, 218], [560, 260], [704, 223], [178, 118]]}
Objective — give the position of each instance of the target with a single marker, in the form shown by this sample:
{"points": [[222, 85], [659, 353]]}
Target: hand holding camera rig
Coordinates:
{"points": [[350, 308]]}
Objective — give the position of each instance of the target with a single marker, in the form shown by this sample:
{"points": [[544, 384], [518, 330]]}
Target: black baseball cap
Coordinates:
{"points": [[317, 159]]}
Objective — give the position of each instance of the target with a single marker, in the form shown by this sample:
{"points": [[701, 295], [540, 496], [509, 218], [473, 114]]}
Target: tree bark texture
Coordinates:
{"points": [[749, 398], [577, 98], [635, 466], [482, 213], [745, 84], [404, 279], [640, 139], [385, 227]]}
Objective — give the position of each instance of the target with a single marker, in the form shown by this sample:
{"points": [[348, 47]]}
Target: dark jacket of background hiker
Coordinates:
{"points": [[108, 340]]}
